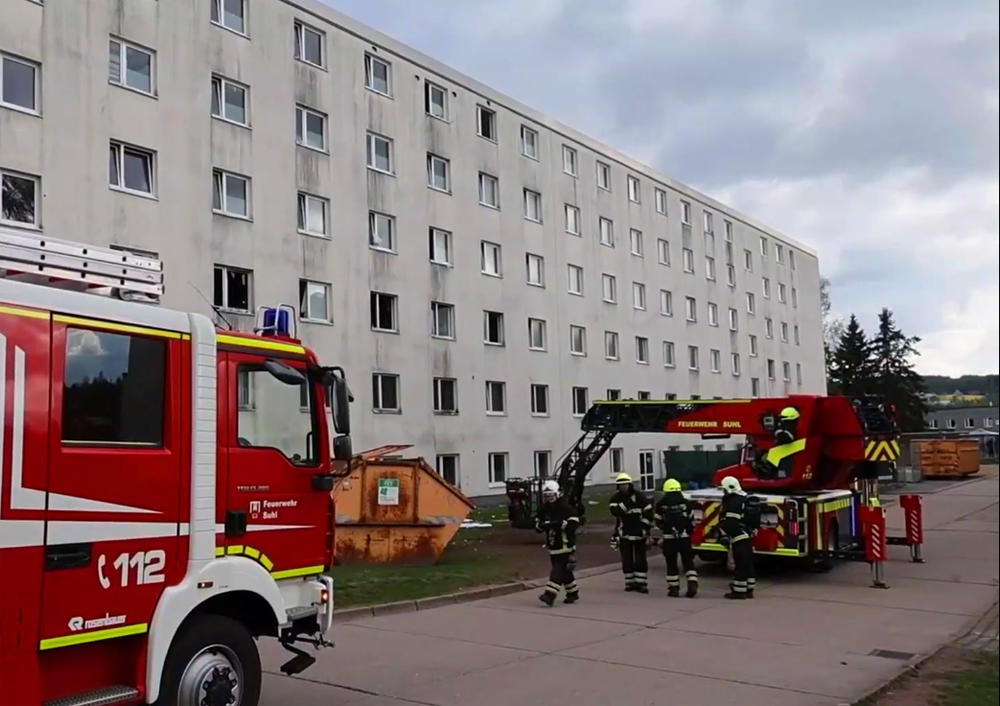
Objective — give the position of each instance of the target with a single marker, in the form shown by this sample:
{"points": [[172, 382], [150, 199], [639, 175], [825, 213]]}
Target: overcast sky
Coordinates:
{"points": [[867, 129]]}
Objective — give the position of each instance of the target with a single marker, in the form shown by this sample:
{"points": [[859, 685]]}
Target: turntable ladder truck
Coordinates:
{"points": [[164, 487]]}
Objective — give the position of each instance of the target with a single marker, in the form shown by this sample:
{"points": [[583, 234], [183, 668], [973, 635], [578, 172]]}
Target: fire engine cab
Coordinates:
{"points": [[164, 487]]}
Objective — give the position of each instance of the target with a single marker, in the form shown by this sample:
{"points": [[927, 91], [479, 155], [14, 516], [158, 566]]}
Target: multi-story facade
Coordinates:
{"points": [[962, 419], [481, 271]]}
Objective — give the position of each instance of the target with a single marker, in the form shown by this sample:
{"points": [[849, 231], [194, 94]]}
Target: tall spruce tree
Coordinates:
{"points": [[851, 362], [895, 378]]}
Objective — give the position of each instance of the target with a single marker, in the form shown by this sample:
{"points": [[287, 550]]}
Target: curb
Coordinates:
{"points": [[349, 615]]}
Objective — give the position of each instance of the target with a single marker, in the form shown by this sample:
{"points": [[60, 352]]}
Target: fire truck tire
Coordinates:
{"points": [[212, 659]]}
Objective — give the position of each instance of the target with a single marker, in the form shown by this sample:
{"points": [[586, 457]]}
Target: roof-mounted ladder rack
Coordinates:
{"points": [[36, 259]]}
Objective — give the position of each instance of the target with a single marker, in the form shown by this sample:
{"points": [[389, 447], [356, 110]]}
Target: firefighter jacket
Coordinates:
{"points": [[733, 524], [559, 522], [634, 513], [675, 515], [781, 456]]}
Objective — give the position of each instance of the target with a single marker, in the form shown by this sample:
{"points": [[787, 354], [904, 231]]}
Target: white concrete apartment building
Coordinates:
{"points": [[480, 270]]}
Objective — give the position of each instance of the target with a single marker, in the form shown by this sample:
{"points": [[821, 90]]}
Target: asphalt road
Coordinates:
{"points": [[809, 640]]}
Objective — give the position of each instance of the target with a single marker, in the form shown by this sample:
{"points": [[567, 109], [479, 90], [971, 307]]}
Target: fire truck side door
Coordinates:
{"points": [[116, 454], [274, 436]]}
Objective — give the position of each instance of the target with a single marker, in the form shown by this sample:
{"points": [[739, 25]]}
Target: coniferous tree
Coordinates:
{"points": [[895, 378], [851, 362]]}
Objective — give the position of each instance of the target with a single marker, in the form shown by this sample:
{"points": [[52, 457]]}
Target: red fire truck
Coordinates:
{"points": [[164, 487]]}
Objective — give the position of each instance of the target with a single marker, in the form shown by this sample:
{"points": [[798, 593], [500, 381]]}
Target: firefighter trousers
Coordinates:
{"points": [[674, 548], [744, 578], [561, 577], [634, 563]]}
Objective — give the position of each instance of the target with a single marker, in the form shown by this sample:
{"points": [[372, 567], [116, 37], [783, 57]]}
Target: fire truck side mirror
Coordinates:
{"points": [[342, 450], [340, 397]]}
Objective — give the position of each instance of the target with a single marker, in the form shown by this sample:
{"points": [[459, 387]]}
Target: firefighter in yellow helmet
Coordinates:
{"points": [[634, 514], [675, 518], [779, 460]]}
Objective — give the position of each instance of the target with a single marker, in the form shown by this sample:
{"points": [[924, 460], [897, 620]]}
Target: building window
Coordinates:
{"points": [[663, 251], [753, 345], [229, 101], [781, 292], [231, 194], [314, 301], [795, 298], [643, 395], [536, 334], [612, 395], [493, 332], [379, 153], [685, 213], [692, 358], [438, 173], [635, 242], [713, 314], [786, 372], [232, 289], [798, 373], [130, 66], [577, 340], [755, 387], [575, 276], [768, 328], [669, 360], [19, 84], [496, 397], [633, 190], [580, 401], [770, 369], [617, 462], [710, 268], [570, 165], [691, 309], [731, 276], [231, 14], [734, 363], [385, 392], [19, 199], [309, 45], [532, 206], [378, 75], [131, 169], [765, 287], [607, 231], [666, 303], [381, 231], [779, 253], [486, 123], [439, 246], [447, 466], [763, 247], [642, 350], [784, 332], [660, 196], [445, 396], [603, 176], [497, 469], [638, 296], [435, 101], [491, 261], [709, 226], [572, 220], [748, 261], [384, 312], [535, 266], [795, 334], [609, 286], [728, 228], [751, 303], [611, 349], [313, 215], [489, 191], [715, 359], [688, 256], [443, 320], [529, 142], [539, 400]]}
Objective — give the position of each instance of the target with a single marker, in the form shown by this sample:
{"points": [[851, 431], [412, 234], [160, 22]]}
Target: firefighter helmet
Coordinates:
{"points": [[731, 485], [789, 414], [550, 491], [671, 486], [623, 478]]}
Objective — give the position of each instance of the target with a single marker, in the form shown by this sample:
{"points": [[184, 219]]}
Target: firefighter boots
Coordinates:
{"points": [[692, 589], [673, 592], [571, 598], [548, 598], [735, 596]]}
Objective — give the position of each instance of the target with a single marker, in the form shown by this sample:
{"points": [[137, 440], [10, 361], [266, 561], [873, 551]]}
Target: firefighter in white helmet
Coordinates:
{"points": [[559, 522], [733, 525], [634, 514]]}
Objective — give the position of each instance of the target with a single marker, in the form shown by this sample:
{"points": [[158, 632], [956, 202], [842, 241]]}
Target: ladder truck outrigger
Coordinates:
{"points": [[826, 506], [164, 487]]}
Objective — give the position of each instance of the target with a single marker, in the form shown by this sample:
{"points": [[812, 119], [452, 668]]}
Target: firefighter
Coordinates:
{"points": [[779, 460], [634, 513], [559, 523], [675, 518], [734, 527]]}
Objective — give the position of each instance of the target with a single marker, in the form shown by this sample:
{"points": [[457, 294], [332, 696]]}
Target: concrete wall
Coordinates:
{"points": [[65, 144]]}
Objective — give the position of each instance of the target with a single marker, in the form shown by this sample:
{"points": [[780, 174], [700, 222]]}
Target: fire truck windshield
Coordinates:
{"points": [[277, 409]]}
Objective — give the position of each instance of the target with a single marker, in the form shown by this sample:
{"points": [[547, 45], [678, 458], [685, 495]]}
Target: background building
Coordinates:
{"points": [[962, 419], [481, 271]]}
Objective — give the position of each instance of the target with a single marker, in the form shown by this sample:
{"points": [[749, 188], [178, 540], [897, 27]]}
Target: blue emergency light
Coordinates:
{"points": [[276, 322]]}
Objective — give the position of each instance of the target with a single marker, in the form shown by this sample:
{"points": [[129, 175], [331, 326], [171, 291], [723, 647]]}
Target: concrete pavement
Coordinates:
{"points": [[806, 640]]}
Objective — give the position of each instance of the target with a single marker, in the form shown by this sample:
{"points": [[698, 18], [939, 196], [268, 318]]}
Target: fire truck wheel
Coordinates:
{"points": [[213, 662]]}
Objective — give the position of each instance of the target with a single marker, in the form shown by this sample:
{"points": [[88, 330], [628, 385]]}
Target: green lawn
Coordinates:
{"points": [[597, 510], [977, 686]]}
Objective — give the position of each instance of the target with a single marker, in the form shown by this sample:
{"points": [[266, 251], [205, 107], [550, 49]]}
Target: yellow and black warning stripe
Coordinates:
{"points": [[882, 450], [265, 561]]}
